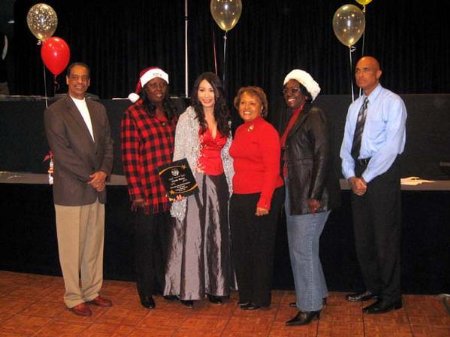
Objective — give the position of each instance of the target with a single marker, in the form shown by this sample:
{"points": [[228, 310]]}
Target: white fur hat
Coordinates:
{"points": [[145, 76], [304, 79]]}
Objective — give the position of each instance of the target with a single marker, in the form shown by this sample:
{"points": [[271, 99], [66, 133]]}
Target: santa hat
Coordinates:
{"points": [[146, 76], [304, 79]]}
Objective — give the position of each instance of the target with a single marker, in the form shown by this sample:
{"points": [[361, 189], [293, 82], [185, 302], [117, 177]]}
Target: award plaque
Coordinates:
{"points": [[178, 179]]}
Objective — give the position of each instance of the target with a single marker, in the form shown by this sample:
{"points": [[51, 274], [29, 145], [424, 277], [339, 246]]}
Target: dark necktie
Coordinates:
{"points": [[356, 146]]}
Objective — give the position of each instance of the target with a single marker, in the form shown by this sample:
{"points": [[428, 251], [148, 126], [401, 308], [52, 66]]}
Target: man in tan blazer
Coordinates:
{"points": [[79, 136]]}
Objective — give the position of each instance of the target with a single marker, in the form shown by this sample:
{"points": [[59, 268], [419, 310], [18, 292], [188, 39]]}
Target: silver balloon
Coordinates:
{"points": [[42, 21]]}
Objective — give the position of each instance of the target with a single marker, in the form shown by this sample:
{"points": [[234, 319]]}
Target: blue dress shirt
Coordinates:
{"points": [[384, 133]]}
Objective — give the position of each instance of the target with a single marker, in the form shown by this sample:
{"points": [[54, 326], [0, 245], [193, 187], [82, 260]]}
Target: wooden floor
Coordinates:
{"points": [[31, 305]]}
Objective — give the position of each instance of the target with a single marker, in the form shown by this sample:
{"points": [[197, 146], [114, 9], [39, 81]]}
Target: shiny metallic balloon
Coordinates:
{"points": [[42, 21]]}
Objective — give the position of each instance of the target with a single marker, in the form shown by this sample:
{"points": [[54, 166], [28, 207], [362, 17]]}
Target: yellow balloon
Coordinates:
{"points": [[42, 21], [226, 13], [349, 23], [364, 2]]}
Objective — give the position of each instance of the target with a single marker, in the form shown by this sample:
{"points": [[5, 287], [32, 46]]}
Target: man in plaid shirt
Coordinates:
{"points": [[147, 135]]}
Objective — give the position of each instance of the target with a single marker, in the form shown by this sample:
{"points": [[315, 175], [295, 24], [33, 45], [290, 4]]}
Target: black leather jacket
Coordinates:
{"points": [[310, 163]]}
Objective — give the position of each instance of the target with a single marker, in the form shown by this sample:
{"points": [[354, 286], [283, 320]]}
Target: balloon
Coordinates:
{"points": [[364, 2], [348, 24], [55, 54], [226, 13], [42, 21]]}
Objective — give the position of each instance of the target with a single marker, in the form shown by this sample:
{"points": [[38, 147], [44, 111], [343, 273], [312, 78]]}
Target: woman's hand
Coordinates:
{"points": [[313, 205], [179, 197], [200, 169], [261, 211], [137, 204]]}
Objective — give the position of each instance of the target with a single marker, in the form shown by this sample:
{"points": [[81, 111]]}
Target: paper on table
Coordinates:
{"points": [[413, 181]]}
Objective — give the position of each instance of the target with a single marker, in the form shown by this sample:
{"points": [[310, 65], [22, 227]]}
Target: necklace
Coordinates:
{"points": [[251, 128]]}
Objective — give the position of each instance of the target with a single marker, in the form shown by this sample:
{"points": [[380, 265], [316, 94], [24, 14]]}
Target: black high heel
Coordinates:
{"points": [[242, 304], [303, 318], [214, 299], [250, 306], [187, 303]]}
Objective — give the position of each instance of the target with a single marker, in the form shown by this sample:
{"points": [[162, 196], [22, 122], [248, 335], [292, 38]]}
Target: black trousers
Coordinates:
{"points": [[377, 228], [151, 245], [253, 245]]}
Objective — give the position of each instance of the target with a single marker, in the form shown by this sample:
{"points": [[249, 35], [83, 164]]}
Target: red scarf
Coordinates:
{"points": [[292, 120]]}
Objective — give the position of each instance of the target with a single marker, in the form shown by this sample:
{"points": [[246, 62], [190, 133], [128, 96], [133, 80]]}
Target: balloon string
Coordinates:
{"points": [[364, 31], [363, 39], [186, 55], [214, 51], [45, 87], [55, 85], [351, 49], [224, 58]]}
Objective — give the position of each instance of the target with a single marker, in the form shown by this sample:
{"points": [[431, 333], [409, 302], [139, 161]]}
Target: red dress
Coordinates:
{"points": [[210, 159]]}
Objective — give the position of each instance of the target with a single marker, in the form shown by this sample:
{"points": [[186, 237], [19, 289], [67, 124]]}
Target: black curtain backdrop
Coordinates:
{"points": [[119, 38]]}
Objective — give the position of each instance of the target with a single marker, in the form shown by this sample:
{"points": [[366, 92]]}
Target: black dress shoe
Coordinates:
{"points": [[381, 307], [250, 306], [361, 297], [294, 304], [214, 299], [170, 297], [303, 318], [147, 302], [187, 303]]}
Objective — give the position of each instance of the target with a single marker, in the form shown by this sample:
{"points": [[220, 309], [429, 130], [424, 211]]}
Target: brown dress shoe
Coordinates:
{"points": [[101, 302], [81, 310]]}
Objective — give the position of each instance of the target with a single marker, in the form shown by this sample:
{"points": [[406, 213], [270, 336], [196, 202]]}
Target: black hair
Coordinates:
{"points": [[305, 93], [81, 64], [169, 108], [221, 111]]}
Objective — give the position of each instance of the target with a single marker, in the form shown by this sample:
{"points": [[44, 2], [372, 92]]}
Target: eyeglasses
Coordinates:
{"points": [[291, 91]]}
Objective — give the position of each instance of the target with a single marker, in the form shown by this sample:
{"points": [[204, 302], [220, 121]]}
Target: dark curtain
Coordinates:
{"points": [[119, 38]]}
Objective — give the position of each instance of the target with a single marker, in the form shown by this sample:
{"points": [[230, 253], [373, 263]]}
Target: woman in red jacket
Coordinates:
{"points": [[257, 197]]}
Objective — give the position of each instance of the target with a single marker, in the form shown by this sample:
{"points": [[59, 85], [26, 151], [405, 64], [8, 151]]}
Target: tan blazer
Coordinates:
{"points": [[76, 155]]}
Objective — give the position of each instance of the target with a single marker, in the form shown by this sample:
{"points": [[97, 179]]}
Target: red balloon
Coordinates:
{"points": [[55, 54]]}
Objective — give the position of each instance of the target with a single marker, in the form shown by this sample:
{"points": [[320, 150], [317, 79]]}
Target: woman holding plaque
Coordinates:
{"points": [[147, 135], [199, 258], [257, 198]]}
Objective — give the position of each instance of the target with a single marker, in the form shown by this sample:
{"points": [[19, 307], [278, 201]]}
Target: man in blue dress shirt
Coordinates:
{"points": [[374, 137]]}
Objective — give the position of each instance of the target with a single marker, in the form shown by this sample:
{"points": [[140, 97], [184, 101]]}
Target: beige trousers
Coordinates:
{"points": [[80, 231]]}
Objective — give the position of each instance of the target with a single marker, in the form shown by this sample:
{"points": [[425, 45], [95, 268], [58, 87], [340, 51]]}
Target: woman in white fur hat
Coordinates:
{"points": [[312, 191]]}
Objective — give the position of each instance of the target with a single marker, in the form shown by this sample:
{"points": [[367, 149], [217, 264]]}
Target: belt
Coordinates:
{"points": [[363, 161]]}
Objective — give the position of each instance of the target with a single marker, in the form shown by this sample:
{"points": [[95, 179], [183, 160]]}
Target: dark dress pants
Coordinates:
{"points": [[253, 244], [377, 228], [151, 242]]}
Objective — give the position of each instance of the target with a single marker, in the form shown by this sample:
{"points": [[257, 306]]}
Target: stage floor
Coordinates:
{"points": [[31, 305]]}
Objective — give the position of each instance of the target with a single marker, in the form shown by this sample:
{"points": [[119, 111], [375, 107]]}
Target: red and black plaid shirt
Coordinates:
{"points": [[147, 143]]}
